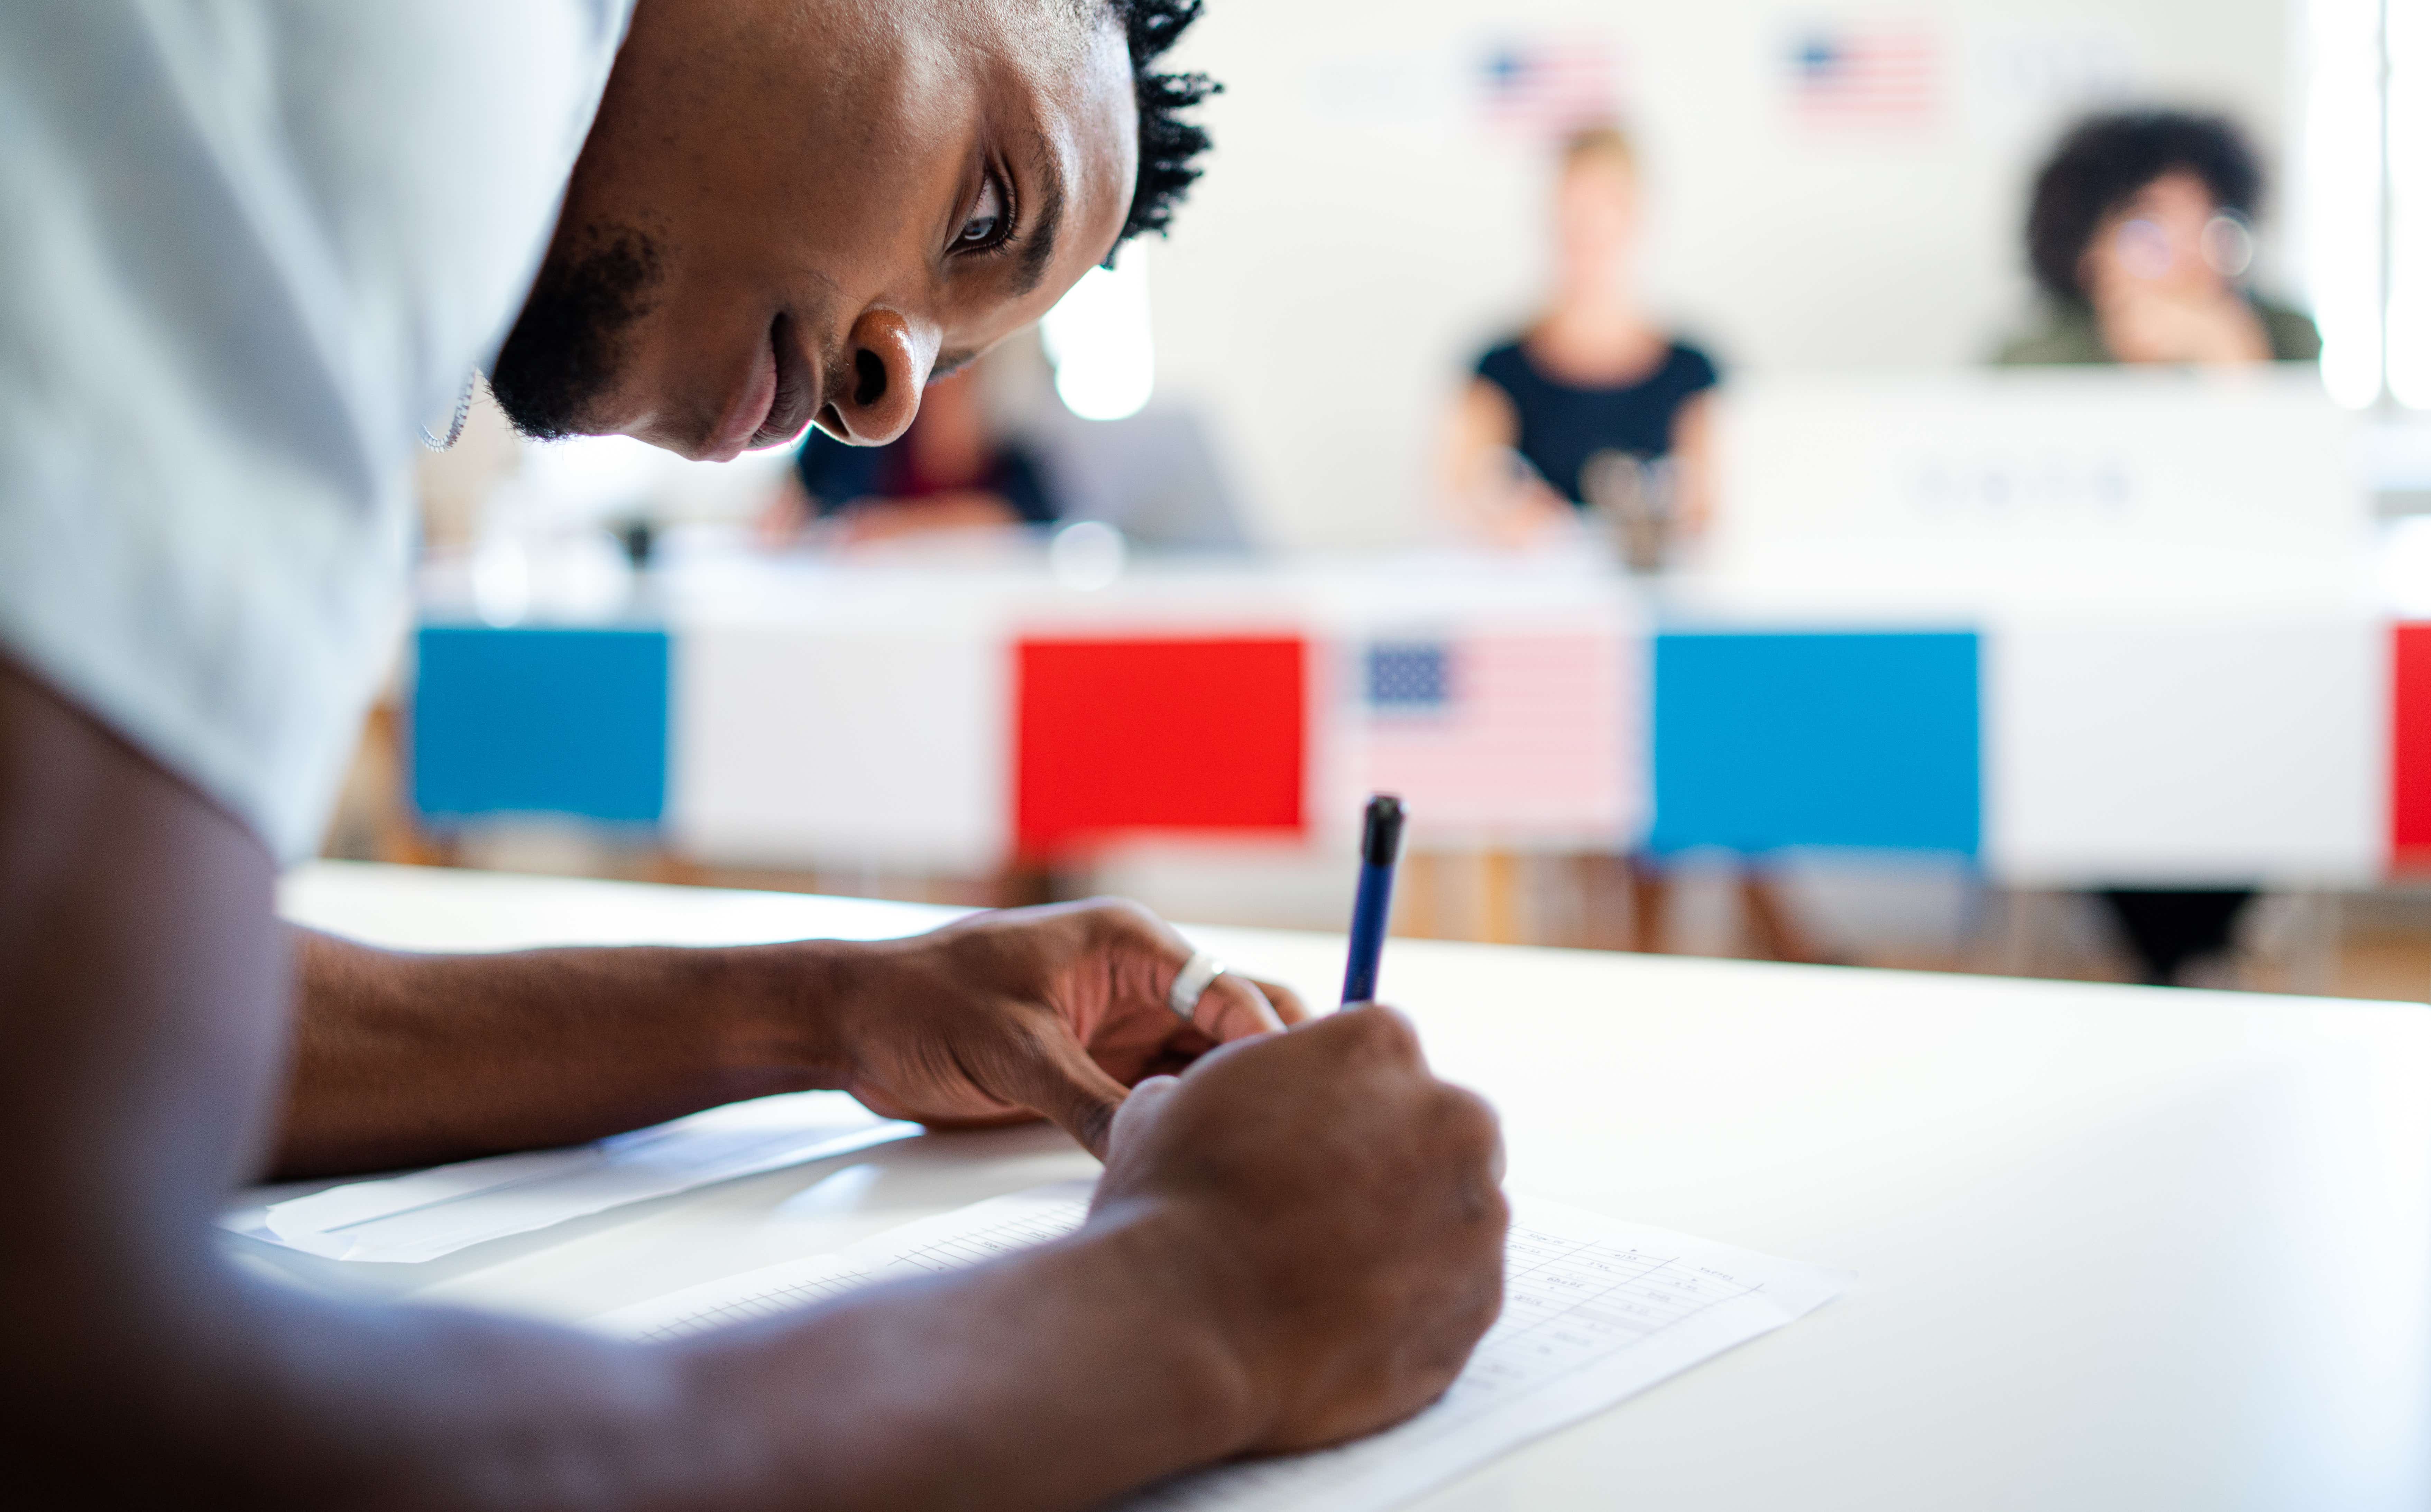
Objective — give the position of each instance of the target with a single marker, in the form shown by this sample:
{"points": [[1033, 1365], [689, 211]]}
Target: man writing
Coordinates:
{"points": [[253, 246]]}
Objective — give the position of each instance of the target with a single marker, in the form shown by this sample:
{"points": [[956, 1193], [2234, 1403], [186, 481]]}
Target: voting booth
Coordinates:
{"points": [[2071, 627], [2185, 672], [809, 714]]}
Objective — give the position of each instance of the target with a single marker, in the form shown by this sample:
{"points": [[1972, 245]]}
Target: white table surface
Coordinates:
{"points": [[2114, 1247]]}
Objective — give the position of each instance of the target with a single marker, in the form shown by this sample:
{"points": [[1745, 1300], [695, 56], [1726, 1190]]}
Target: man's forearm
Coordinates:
{"points": [[1050, 1380], [407, 1059], [141, 985]]}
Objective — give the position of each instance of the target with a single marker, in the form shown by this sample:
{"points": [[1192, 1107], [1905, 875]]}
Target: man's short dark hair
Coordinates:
{"points": [[1169, 145], [2104, 161]]}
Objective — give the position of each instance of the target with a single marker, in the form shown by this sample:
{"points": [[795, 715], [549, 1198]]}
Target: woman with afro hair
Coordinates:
{"points": [[2140, 235]]}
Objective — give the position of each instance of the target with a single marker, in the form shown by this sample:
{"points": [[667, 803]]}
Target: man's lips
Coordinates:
{"points": [[746, 414], [797, 391], [774, 405]]}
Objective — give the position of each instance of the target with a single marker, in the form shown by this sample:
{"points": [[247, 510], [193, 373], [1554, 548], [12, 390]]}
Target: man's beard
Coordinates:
{"points": [[565, 346]]}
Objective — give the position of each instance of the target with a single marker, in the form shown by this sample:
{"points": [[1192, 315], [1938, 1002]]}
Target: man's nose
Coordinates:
{"points": [[876, 397]]}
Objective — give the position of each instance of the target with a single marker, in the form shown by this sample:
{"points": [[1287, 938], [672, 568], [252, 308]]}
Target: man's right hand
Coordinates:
{"points": [[1335, 1208]]}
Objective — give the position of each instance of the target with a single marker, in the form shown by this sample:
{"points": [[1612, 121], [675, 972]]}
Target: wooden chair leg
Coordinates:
{"points": [[1770, 930], [1417, 898], [1650, 906], [1502, 902]]}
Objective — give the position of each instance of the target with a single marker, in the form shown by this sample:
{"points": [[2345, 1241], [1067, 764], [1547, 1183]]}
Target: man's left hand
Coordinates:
{"points": [[1054, 1011]]}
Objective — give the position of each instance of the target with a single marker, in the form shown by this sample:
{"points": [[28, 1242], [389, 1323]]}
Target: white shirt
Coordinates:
{"points": [[248, 248]]}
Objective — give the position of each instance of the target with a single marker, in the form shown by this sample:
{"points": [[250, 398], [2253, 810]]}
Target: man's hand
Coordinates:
{"points": [[1335, 1206], [1054, 1011], [407, 1059]]}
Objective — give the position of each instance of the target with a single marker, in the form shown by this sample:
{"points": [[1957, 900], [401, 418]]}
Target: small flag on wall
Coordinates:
{"points": [[1519, 735], [1883, 76], [1543, 88]]}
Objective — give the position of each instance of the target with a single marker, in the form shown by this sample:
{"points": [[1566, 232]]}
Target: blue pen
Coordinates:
{"points": [[1380, 848]]}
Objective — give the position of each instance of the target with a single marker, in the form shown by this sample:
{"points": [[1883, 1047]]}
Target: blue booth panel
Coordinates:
{"points": [[540, 722], [1861, 741]]}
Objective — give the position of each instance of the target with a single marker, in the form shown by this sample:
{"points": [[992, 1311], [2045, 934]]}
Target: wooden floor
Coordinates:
{"points": [[2380, 966], [2367, 966]]}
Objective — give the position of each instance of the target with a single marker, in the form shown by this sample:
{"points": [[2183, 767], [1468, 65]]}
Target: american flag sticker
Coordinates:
{"points": [[1544, 89], [1404, 677], [1885, 76], [1515, 735]]}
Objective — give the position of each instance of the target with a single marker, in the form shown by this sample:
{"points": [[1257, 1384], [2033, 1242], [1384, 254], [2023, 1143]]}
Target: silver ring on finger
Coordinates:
{"points": [[1197, 974]]}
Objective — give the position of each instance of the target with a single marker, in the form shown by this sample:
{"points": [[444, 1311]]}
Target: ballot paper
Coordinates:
{"points": [[431, 1213], [1594, 1310]]}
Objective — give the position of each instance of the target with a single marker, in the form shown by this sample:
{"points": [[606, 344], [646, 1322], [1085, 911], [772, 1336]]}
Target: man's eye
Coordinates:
{"points": [[986, 222]]}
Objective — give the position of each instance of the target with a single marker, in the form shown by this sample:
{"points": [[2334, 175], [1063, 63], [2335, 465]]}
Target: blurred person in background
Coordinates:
{"points": [[1596, 405], [1592, 382], [2140, 234], [954, 470]]}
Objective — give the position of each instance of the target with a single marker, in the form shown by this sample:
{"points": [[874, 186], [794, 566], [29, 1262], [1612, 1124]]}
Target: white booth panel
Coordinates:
{"points": [[2042, 488], [2161, 750], [825, 745]]}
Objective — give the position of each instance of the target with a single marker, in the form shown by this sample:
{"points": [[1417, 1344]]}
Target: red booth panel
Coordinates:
{"points": [[2410, 756], [1160, 735]]}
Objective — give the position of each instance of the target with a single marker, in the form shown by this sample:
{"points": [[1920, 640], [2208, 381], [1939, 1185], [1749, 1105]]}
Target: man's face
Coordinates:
{"points": [[799, 211]]}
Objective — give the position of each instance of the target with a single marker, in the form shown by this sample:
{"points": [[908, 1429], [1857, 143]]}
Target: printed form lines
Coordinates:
{"points": [[1007, 1237], [769, 1304]]}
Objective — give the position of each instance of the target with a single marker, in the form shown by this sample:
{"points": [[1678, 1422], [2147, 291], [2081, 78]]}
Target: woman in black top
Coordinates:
{"points": [[1592, 376], [1594, 379]]}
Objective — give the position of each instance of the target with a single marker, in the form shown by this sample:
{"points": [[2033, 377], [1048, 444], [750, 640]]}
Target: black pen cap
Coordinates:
{"points": [[1380, 839]]}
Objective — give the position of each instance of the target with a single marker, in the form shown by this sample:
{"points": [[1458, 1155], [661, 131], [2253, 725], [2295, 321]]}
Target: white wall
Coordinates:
{"points": [[1361, 232]]}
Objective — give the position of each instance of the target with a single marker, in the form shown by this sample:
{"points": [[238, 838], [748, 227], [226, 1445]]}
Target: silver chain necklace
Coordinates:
{"points": [[455, 425]]}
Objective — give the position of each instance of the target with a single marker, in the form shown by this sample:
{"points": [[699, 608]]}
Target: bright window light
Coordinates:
{"points": [[2339, 211], [2409, 202], [1097, 338]]}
